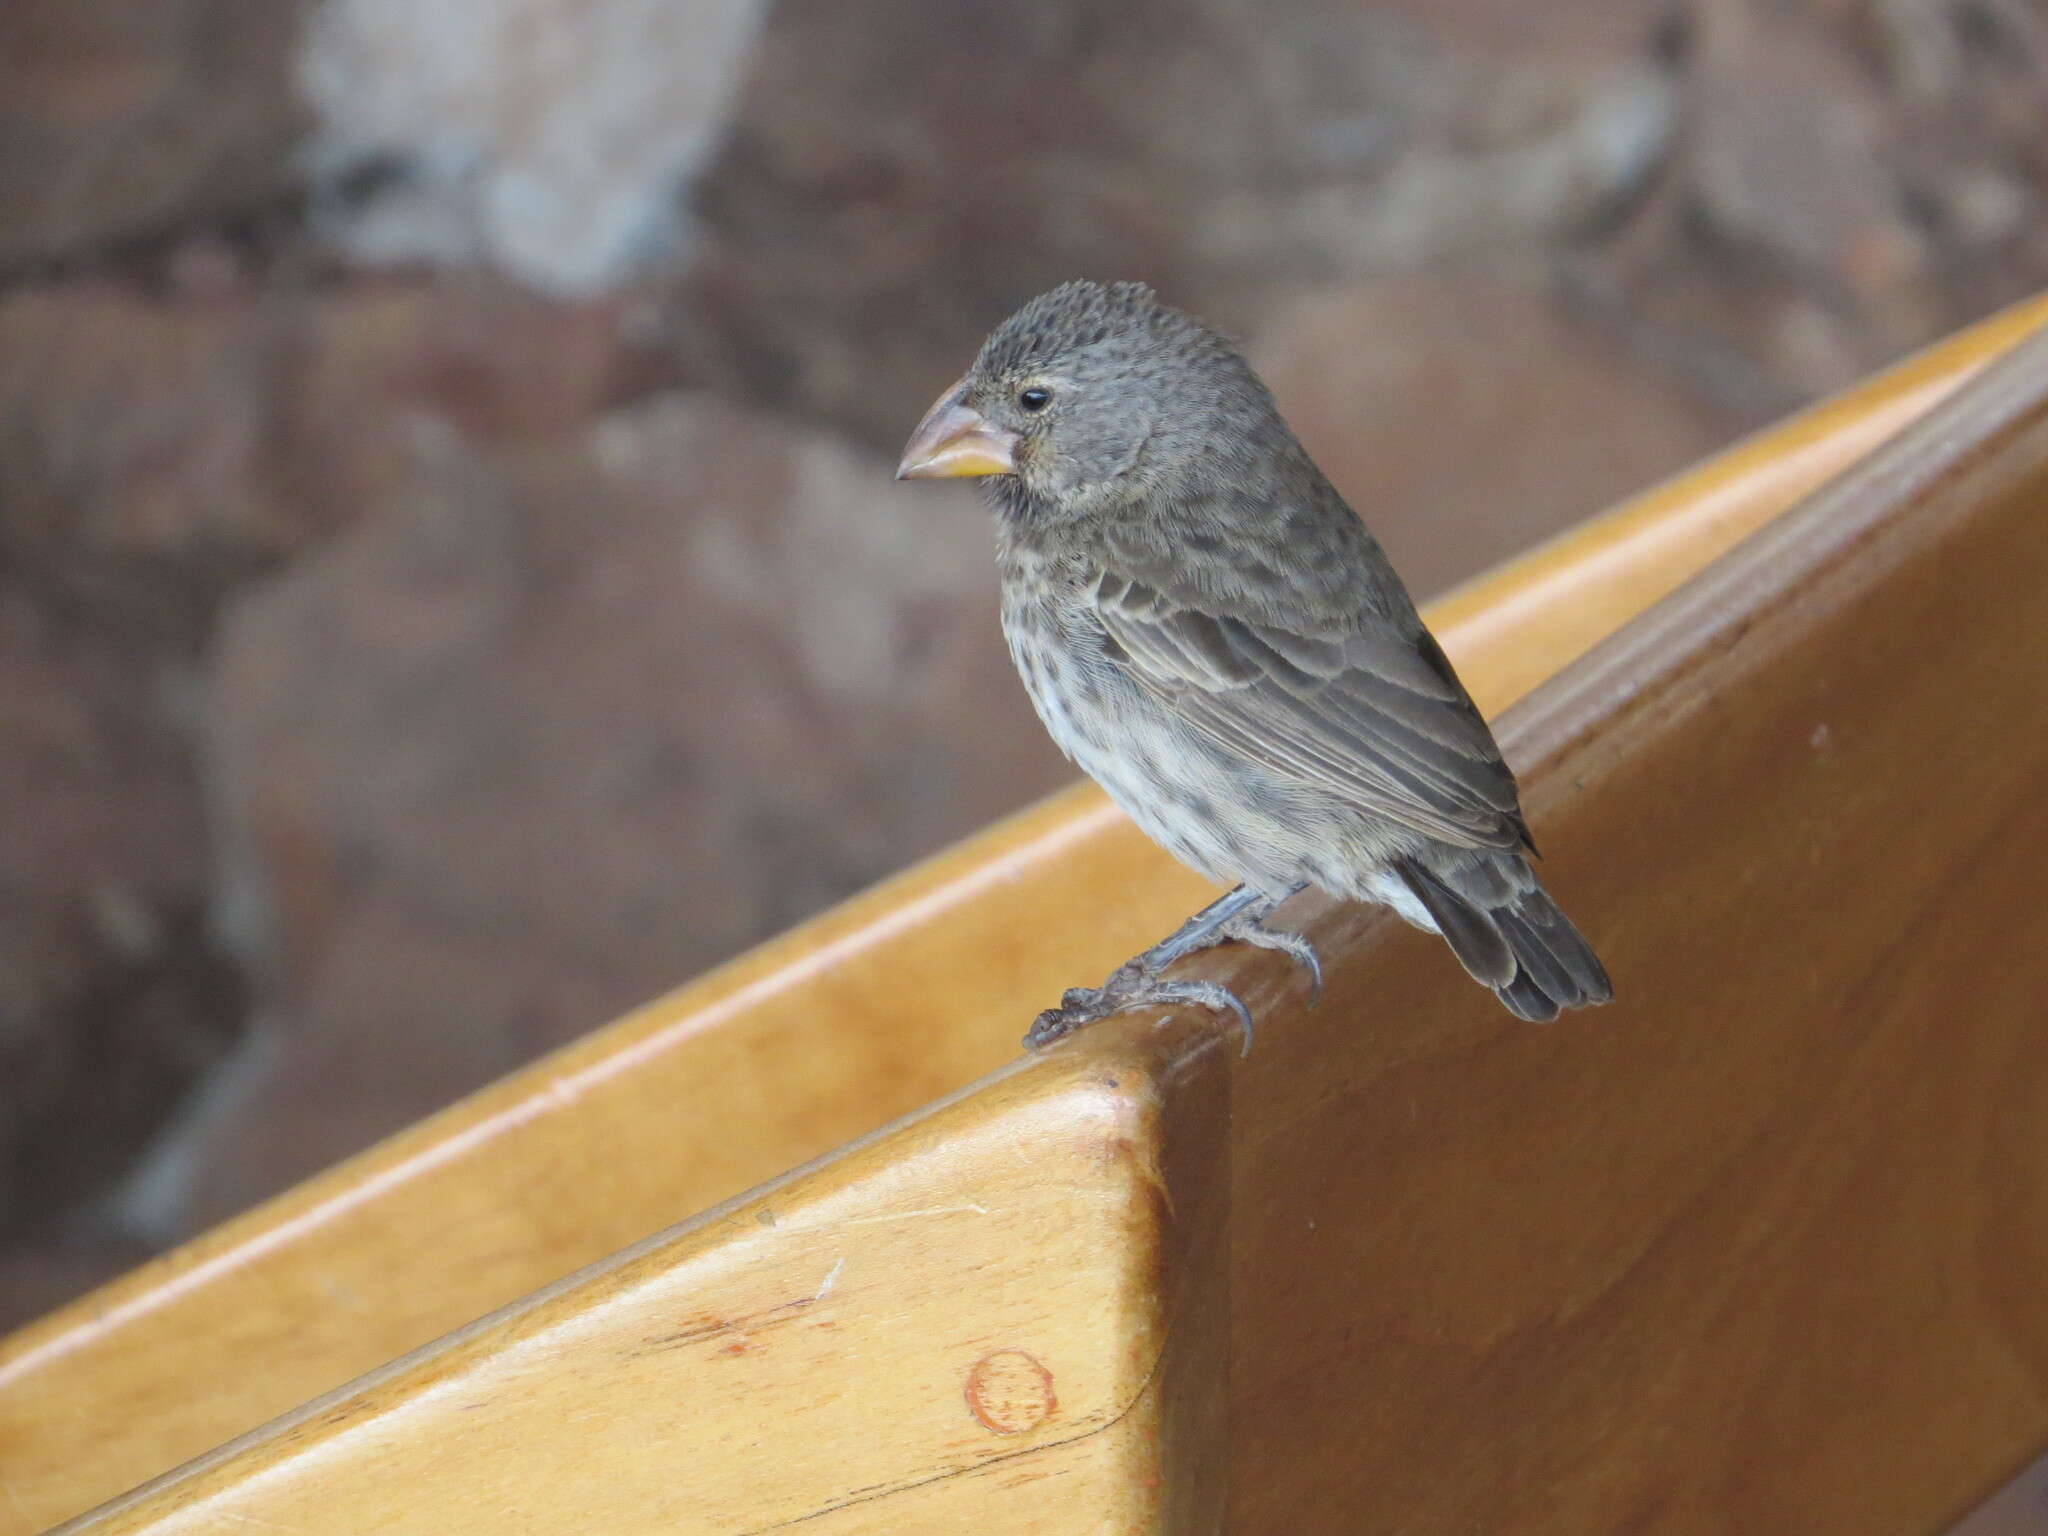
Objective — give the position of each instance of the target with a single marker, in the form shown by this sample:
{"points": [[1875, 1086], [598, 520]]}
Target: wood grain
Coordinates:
{"points": [[902, 995], [959, 1325], [1759, 1247]]}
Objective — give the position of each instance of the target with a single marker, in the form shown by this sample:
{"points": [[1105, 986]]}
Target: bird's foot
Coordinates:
{"points": [[1132, 986], [1140, 983]]}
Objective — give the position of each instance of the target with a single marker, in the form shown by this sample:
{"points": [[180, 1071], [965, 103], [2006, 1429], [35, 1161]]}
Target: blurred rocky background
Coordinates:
{"points": [[451, 585]]}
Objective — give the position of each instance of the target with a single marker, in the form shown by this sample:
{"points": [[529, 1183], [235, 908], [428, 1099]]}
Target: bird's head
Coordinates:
{"points": [[1091, 394]]}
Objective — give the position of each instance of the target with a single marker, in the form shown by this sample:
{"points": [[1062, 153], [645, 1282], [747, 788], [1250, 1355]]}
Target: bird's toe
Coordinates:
{"points": [[1259, 936], [1128, 990]]}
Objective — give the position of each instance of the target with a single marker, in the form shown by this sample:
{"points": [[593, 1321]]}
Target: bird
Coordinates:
{"points": [[1209, 631]]}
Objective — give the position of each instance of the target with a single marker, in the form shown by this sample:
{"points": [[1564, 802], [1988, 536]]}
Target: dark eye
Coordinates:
{"points": [[1034, 398]]}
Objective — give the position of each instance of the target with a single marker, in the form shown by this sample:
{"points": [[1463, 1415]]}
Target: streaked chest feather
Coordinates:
{"points": [[1062, 654], [1138, 750]]}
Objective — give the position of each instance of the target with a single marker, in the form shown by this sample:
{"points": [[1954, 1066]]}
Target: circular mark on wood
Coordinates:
{"points": [[1010, 1392]]}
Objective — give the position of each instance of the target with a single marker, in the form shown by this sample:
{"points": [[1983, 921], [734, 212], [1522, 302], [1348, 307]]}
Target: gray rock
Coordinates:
{"points": [[548, 138]]}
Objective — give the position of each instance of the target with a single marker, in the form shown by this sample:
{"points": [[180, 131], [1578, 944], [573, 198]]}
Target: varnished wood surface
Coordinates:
{"points": [[1760, 1246], [890, 1001], [957, 1326]]}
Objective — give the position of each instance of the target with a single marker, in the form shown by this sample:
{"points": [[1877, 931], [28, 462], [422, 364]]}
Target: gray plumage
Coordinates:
{"points": [[1209, 632]]}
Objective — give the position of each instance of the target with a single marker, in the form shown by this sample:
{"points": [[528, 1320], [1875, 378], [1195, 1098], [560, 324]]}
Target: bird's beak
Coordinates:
{"points": [[956, 441]]}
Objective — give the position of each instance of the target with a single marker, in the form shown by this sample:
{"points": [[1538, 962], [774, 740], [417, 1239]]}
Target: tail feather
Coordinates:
{"points": [[1525, 948], [1526, 1000], [1475, 938], [1543, 951]]}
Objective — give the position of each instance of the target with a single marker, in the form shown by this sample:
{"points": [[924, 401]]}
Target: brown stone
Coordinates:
{"points": [[114, 1000], [560, 727], [1850, 182], [1465, 419], [120, 121], [1791, 149], [854, 245], [240, 428], [161, 450]]}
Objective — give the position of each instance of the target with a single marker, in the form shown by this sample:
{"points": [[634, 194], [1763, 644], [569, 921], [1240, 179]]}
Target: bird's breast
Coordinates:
{"points": [[1062, 654], [1211, 808]]}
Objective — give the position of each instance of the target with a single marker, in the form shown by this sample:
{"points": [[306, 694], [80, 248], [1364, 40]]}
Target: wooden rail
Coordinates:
{"points": [[1750, 1249]]}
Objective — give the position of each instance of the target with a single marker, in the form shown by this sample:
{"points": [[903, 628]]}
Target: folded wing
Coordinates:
{"points": [[1377, 719]]}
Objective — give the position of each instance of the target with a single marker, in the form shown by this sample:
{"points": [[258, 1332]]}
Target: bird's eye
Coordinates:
{"points": [[1034, 398]]}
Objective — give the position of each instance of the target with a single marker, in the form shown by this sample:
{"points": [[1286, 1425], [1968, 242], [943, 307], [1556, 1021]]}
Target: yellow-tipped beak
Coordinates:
{"points": [[955, 441]]}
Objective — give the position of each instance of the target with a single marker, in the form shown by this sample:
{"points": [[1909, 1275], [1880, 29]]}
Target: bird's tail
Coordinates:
{"points": [[1508, 933]]}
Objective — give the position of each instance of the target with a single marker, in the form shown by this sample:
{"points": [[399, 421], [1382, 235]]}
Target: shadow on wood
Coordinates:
{"points": [[1748, 1249], [1758, 1247]]}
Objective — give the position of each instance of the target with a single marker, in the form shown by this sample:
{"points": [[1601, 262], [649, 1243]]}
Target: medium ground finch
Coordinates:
{"points": [[1208, 630]]}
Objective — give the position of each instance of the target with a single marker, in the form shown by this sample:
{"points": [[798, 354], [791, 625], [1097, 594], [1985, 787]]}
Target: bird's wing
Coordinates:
{"points": [[1375, 718]]}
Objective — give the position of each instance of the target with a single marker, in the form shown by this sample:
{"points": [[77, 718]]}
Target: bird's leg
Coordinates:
{"points": [[1237, 915]]}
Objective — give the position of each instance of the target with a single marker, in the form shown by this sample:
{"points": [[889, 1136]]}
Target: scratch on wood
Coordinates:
{"points": [[930, 1210], [831, 1279]]}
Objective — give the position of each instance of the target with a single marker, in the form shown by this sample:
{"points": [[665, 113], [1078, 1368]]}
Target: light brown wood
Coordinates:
{"points": [[959, 1325], [904, 994]]}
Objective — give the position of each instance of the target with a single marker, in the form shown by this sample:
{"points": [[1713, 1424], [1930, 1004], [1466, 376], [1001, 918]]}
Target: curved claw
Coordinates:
{"points": [[1207, 994], [1293, 945], [1314, 962]]}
